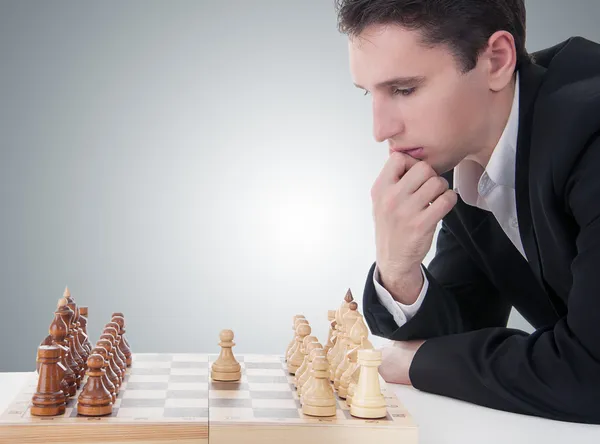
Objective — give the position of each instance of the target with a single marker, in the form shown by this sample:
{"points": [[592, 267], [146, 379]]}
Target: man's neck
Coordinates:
{"points": [[501, 106]]}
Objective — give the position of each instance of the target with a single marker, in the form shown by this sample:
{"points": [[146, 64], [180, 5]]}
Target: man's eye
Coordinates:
{"points": [[404, 91]]}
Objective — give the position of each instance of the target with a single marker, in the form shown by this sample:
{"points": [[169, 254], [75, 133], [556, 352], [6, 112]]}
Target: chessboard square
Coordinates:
{"points": [[229, 394], [269, 387], [145, 403], [265, 372], [274, 395], [186, 403], [117, 403], [146, 386], [218, 385], [72, 413], [230, 403], [190, 371], [187, 394], [141, 412], [188, 378], [150, 371], [186, 412], [144, 394], [150, 364], [190, 357], [255, 358], [187, 386], [189, 364], [274, 404], [230, 414], [148, 378], [267, 379], [276, 413], [263, 365], [155, 357]]}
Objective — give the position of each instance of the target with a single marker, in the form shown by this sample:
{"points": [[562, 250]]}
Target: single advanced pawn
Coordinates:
{"points": [[105, 379], [123, 345], [319, 400], [83, 320], [49, 398], [368, 401], [58, 333], [226, 367], [297, 358], [293, 341], [95, 399], [293, 348]]}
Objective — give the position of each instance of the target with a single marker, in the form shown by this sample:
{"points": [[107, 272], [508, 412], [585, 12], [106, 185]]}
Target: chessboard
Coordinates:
{"points": [[171, 398]]}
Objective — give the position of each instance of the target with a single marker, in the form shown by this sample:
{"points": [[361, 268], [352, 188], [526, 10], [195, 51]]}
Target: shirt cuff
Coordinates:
{"points": [[402, 313]]}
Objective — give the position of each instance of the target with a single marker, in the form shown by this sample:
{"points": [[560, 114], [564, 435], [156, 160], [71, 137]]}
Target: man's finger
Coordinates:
{"points": [[395, 167]]}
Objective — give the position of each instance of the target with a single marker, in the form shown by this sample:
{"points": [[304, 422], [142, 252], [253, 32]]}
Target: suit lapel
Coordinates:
{"points": [[531, 77]]}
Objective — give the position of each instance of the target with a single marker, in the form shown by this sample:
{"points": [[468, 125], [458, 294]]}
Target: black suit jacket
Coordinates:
{"points": [[477, 274]]}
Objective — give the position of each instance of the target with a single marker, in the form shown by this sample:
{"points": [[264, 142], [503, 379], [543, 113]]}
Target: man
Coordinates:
{"points": [[504, 150]]}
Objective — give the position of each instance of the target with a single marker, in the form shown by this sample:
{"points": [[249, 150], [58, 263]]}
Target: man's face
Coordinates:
{"points": [[442, 111]]}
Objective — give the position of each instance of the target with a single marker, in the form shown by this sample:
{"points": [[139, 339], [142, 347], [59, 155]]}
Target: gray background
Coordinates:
{"points": [[198, 165]]}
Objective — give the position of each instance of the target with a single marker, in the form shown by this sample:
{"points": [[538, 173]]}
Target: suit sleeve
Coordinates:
{"points": [[459, 298], [555, 371]]}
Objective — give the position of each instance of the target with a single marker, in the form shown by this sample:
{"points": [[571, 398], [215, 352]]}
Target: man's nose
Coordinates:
{"points": [[387, 123]]}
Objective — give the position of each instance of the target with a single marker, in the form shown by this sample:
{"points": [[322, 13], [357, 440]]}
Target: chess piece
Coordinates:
{"points": [[296, 359], [330, 337], [95, 399], [48, 399], [123, 346], [124, 331], [76, 331], [350, 320], [295, 346], [106, 380], [117, 379], [308, 343], [83, 314], [108, 334], [368, 402], [319, 400], [118, 341], [226, 367], [293, 341], [307, 379], [346, 321], [339, 314], [58, 333], [73, 360]]}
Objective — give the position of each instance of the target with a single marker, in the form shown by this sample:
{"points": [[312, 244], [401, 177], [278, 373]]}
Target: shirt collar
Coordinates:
{"points": [[501, 166]]}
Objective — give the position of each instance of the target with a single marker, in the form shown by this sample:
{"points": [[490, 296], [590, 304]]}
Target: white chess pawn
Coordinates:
{"points": [[297, 357], [226, 367], [367, 400], [293, 341], [319, 400]]}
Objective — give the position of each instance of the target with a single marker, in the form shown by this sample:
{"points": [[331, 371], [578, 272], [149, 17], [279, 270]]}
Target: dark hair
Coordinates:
{"points": [[463, 25]]}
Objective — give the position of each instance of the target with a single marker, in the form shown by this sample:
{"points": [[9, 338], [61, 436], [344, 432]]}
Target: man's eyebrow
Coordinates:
{"points": [[399, 81]]}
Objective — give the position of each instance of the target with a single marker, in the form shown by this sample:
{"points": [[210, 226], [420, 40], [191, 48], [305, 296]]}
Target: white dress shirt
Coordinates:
{"points": [[491, 189]]}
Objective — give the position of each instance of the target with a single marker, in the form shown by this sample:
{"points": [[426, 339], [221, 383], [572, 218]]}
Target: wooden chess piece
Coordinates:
{"points": [[58, 333], [339, 314], [122, 366], [123, 346], [110, 386], [95, 399], [73, 360], [319, 400], [226, 367], [306, 379], [293, 348], [118, 341], [296, 359], [308, 343], [124, 331], [368, 402], [76, 331], [293, 341], [83, 320], [48, 399], [330, 336], [117, 379], [350, 319]]}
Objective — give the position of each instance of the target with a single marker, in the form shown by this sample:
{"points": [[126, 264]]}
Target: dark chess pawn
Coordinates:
{"points": [[95, 399], [49, 399]]}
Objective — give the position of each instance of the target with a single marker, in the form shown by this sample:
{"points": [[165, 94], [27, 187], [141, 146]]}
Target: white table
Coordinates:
{"points": [[441, 420]]}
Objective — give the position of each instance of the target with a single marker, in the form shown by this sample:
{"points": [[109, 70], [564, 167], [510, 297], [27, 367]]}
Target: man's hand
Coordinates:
{"points": [[409, 200], [396, 361]]}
